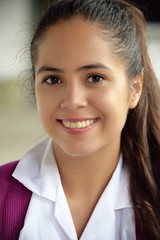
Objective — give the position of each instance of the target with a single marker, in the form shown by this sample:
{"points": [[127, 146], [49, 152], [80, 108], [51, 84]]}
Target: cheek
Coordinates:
{"points": [[44, 106], [113, 105]]}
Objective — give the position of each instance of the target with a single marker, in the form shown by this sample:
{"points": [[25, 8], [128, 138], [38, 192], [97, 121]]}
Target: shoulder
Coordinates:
{"points": [[14, 200], [7, 169]]}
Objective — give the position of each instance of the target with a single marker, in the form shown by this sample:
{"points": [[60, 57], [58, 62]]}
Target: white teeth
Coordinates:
{"points": [[79, 124]]}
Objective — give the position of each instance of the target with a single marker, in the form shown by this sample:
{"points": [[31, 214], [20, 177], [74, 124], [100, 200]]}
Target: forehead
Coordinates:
{"points": [[76, 25], [75, 41]]}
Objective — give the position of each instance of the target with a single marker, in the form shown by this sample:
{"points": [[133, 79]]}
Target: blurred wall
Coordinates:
{"points": [[15, 24], [19, 125]]}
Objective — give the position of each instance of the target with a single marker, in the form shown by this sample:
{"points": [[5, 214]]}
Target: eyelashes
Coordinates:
{"points": [[51, 80], [96, 78], [92, 78]]}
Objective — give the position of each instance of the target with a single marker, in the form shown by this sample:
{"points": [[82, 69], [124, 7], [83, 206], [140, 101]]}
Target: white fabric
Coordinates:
{"points": [[48, 216]]}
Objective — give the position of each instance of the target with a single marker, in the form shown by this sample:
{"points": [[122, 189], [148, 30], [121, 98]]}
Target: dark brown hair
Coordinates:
{"points": [[124, 25]]}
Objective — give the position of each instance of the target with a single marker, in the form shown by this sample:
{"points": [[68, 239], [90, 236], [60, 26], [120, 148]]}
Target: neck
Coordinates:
{"points": [[86, 176], [84, 179]]}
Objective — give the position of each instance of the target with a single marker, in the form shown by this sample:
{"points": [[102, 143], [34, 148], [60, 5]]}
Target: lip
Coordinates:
{"points": [[77, 119], [77, 130]]}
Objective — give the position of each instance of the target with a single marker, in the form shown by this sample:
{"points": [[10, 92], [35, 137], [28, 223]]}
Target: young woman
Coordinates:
{"points": [[97, 175]]}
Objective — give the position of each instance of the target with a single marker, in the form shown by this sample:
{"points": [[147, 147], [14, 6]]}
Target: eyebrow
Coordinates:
{"points": [[49, 69], [92, 66], [82, 68]]}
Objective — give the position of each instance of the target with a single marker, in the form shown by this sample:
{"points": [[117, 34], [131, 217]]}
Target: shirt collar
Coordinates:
{"points": [[38, 171], [118, 187]]}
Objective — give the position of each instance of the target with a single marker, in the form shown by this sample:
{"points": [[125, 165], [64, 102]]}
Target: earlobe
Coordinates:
{"points": [[136, 90]]}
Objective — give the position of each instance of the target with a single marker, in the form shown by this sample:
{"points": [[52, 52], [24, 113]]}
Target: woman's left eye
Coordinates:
{"points": [[95, 78]]}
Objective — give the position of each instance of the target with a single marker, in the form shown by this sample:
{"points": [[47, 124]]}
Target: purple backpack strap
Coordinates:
{"points": [[14, 201]]}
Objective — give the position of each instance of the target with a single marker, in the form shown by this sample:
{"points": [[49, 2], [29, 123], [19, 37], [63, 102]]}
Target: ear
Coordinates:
{"points": [[136, 90]]}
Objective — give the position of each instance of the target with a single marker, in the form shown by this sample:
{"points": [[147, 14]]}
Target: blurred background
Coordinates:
{"points": [[19, 126]]}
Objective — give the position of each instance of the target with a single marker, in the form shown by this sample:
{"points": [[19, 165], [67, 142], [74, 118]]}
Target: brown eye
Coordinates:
{"points": [[52, 80], [95, 78]]}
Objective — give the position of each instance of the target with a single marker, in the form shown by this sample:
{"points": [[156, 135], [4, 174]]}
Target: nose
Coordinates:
{"points": [[74, 97]]}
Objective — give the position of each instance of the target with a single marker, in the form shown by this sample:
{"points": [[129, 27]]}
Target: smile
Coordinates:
{"points": [[78, 124]]}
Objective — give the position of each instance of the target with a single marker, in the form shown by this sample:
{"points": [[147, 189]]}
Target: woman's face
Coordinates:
{"points": [[81, 89]]}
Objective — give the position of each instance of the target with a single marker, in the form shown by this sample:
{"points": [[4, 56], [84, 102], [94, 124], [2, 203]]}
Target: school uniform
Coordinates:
{"points": [[48, 215]]}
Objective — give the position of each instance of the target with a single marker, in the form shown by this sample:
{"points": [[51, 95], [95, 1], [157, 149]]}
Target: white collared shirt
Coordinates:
{"points": [[49, 217]]}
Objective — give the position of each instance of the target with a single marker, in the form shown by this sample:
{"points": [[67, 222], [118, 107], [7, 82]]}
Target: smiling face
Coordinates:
{"points": [[82, 90]]}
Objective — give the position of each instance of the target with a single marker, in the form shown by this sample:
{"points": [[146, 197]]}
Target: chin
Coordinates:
{"points": [[79, 153]]}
